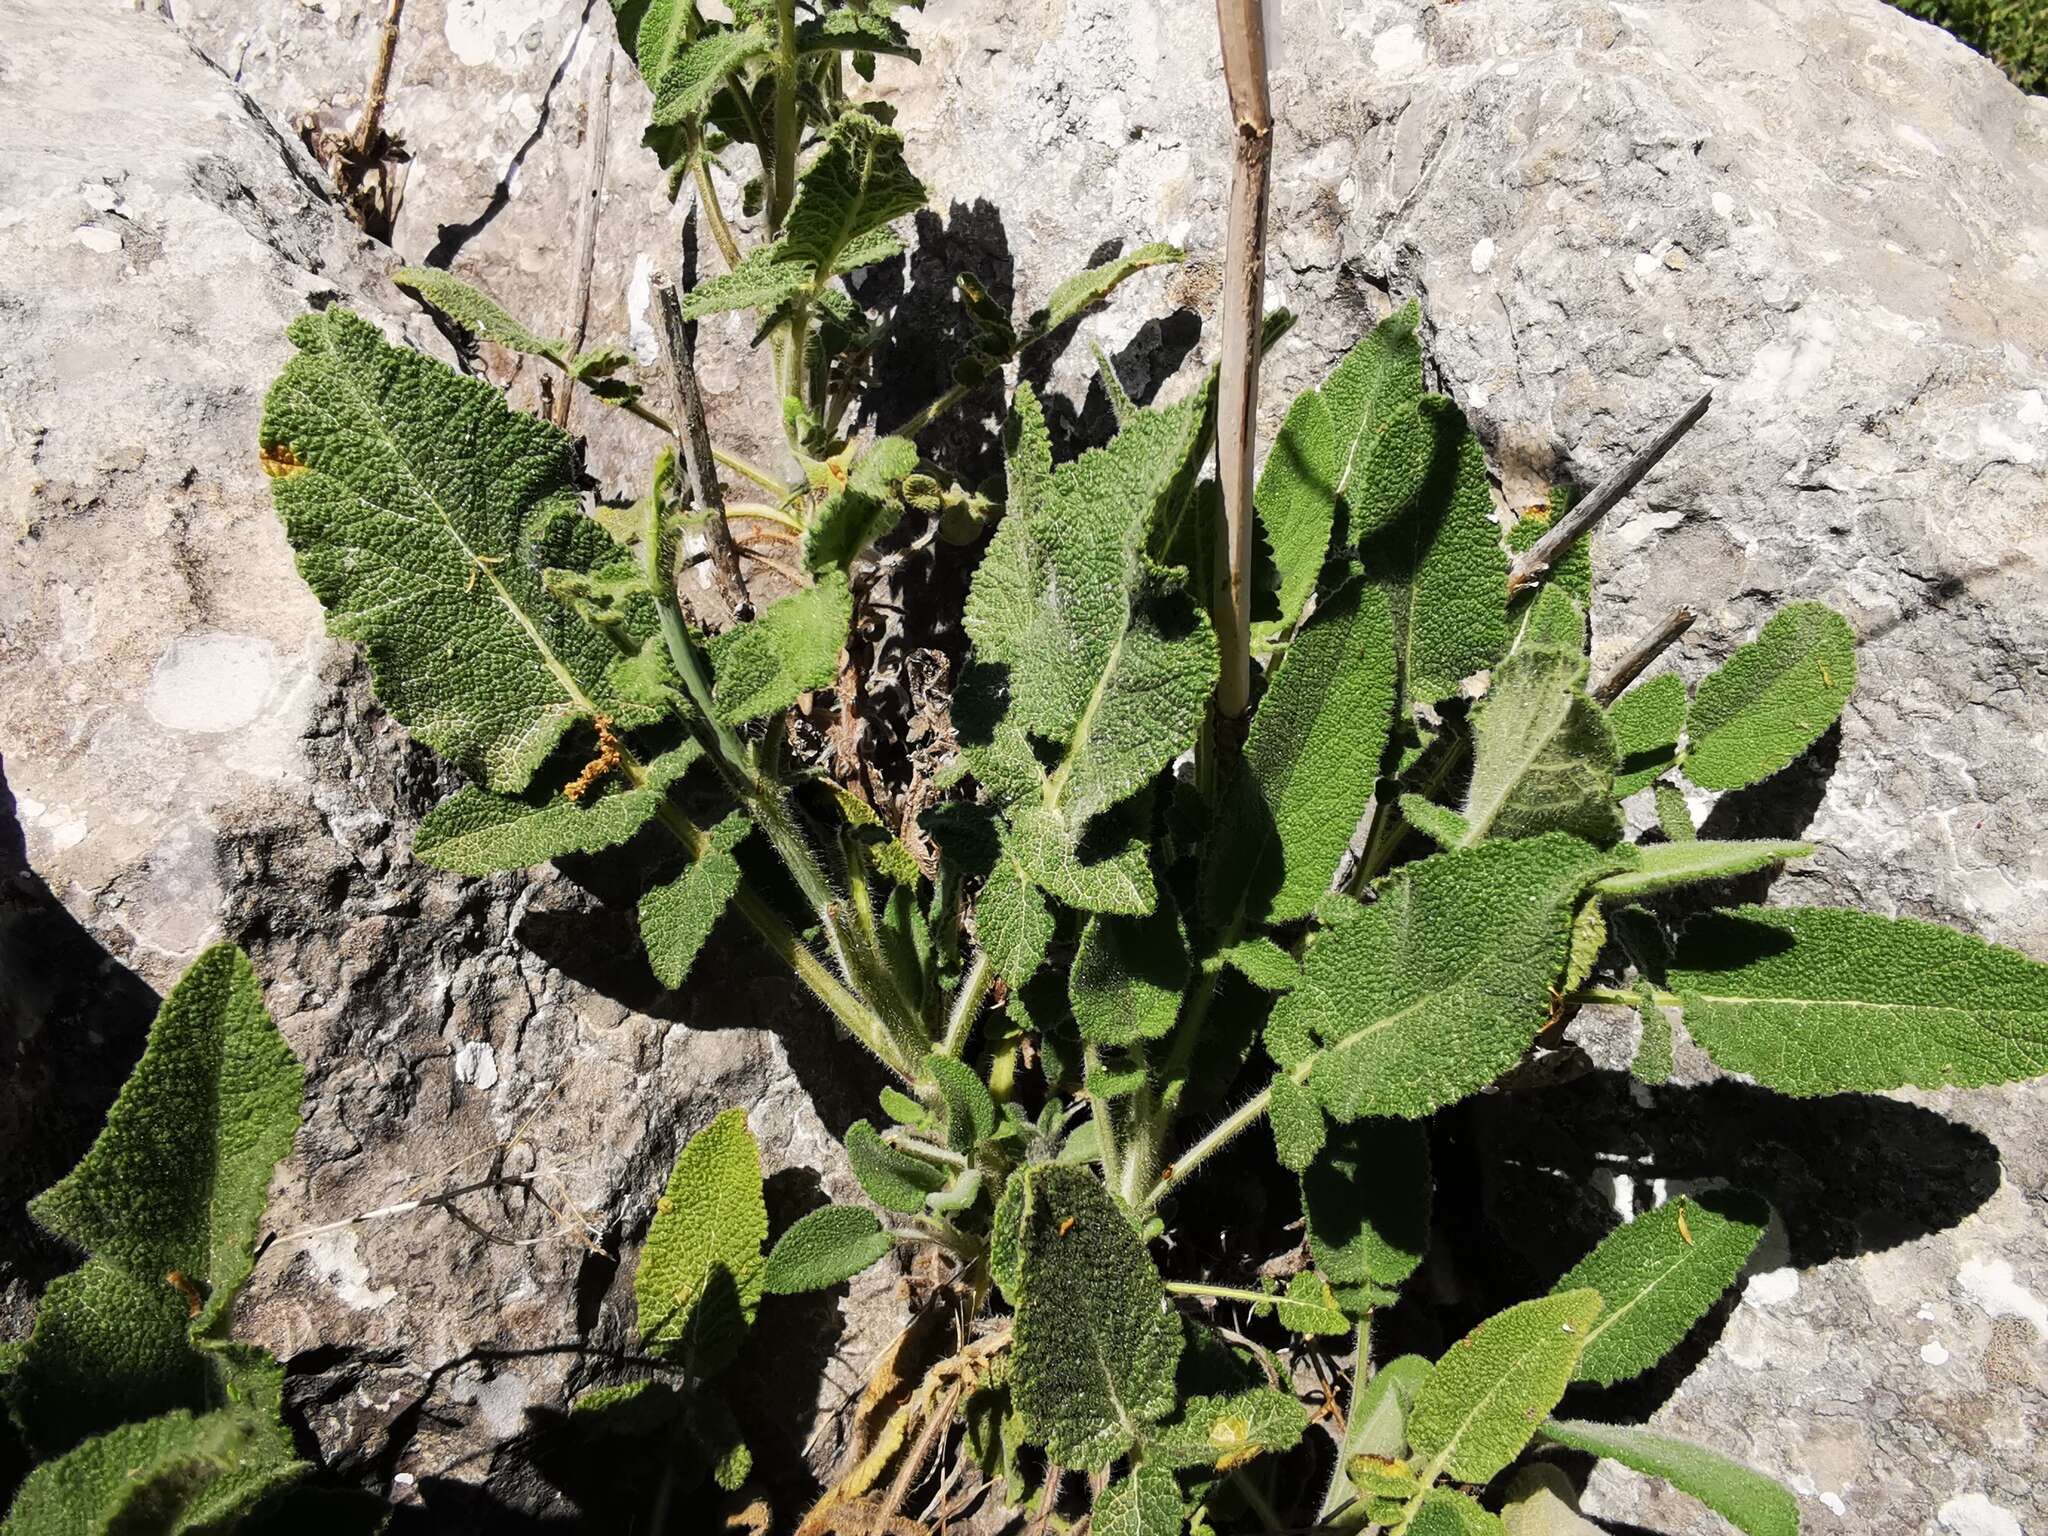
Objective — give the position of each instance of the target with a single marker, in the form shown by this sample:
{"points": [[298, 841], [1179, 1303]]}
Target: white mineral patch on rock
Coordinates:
{"points": [[1990, 1284], [211, 683], [1973, 1514]]}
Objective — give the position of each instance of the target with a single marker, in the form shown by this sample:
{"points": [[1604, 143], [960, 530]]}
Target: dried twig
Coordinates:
{"points": [[1243, 27], [1578, 522], [694, 438], [599, 131], [368, 139], [1637, 661]]}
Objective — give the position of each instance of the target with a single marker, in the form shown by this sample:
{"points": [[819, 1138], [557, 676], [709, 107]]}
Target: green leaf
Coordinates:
{"points": [[1652, 1062], [1377, 381], [1262, 963], [1367, 1200], [854, 186], [1441, 825], [1541, 1502], [1811, 1000], [1573, 573], [792, 648], [1748, 1500], [1772, 699], [1296, 502], [1645, 723], [1543, 756], [474, 311], [1674, 817], [1310, 761], [1484, 1397], [764, 278], [699, 1280], [1666, 866], [1447, 1512], [854, 31], [677, 916], [170, 1474], [1443, 567], [1299, 1129], [423, 512], [1128, 976], [1095, 1344], [1308, 1306], [1084, 290], [1098, 874], [1589, 938], [656, 33], [894, 1180], [970, 1110], [1012, 922], [1377, 1425], [474, 832], [1658, 1275], [699, 72], [1225, 1430], [862, 510], [828, 1246], [1143, 1502], [1439, 986]]}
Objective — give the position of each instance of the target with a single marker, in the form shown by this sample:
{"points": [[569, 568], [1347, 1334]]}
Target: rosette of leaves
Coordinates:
{"points": [[141, 1410]]}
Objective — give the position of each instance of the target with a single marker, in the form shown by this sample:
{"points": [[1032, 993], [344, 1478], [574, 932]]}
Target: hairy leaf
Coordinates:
{"points": [[477, 312], [1811, 1000], [1772, 699], [765, 277], [1086, 289], [699, 1280], [1439, 986], [1309, 765], [1646, 722], [1296, 503], [1095, 1344], [1379, 378], [1262, 963], [1442, 826], [423, 512], [854, 31], [1541, 1502], [1308, 1306], [174, 1473], [474, 832], [1543, 756], [1367, 1200], [677, 916], [1098, 874], [970, 1110], [1227, 1430], [1128, 976], [1666, 866], [1748, 1500], [1658, 1275], [1143, 1502], [1377, 1425], [1447, 1512], [1299, 1129], [862, 510], [1012, 922], [793, 647], [824, 1248], [1483, 1399], [894, 1180], [1674, 817], [685, 88], [855, 186]]}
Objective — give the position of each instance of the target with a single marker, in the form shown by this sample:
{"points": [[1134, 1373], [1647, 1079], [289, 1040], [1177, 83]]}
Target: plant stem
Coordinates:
{"points": [[967, 1004], [1221, 1292], [1244, 1116], [1639, 660], [1617, 998], [599, 132], [714, 214], [896, 1136], [1243, 27], [380, 82], [694, 439], [731, 461]]}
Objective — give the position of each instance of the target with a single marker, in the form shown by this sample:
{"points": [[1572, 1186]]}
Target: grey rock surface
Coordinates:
{"points": [[187, 757], [1832, 214]]}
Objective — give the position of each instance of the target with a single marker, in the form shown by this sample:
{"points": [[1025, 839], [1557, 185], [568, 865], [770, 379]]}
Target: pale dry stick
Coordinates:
{"points": [[1639, 660], [1534, 561], [380, 81], [1242, 24], [694, 438], [600, 133]]}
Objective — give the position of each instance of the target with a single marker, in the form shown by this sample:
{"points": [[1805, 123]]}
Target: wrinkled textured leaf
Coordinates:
{"points": [[862, 510], [1439, 986], [825, 1247], [685, 88], [1012, 922], [477, 312], [1543, 756], [1085, 289], [1262, 963], [1447, 1512], [1772, 699], [1377, 1425], [1367, 1200], [1228, 1429], [1442, 826], [677, 916], [1095, 1344], [1378, 379], [1748, 1500], [1666, 866], [856, 185], [1646, 723], [1128, 976], [791, 648], [894, 1180], [1542, 1502], [970, 1110], [1143, 1502], [1299, 1129], [474, 832], [1307, 1306], [1659, 1277], [170, 1474], [764, 278], [1309, 765], [1296, 503], [423, 512], [1811, 1000], [699, 1280], [1674, 816], [1484, 1398], [854, 31]]}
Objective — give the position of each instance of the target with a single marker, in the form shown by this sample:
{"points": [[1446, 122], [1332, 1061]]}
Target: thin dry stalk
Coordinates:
{"points": [[1530, 565], [693, 436], [1242, 24], [600, 132], [1638, 661], [367, 137]]}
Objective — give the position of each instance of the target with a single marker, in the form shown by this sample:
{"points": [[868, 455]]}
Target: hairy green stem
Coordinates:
{"points": [[1221, 1134], [908, 1141], [714, 215], [1114, 1169], [1618, 998], [1221, 1292], [967, 1000]]}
